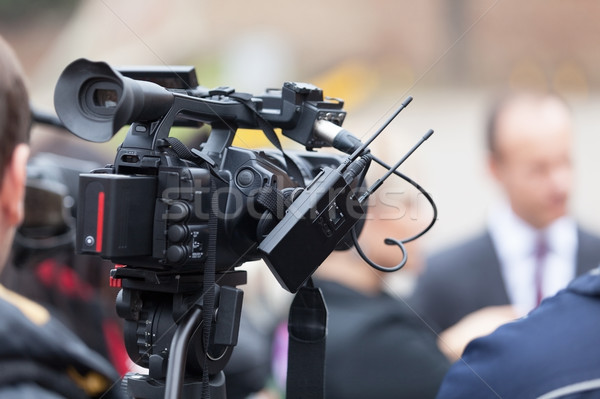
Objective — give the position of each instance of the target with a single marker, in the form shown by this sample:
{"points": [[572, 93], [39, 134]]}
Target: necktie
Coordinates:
{"points": [[541, 250]]}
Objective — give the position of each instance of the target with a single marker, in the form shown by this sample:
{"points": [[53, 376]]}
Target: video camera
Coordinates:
{"points": [[180, 219], [155, 203]]}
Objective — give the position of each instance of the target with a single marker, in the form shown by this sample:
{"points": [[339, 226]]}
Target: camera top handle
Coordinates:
{"points": [[107, 101]]}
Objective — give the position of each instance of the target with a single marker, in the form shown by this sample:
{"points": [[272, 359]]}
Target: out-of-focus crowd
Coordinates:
{"points": [[506, 313]]}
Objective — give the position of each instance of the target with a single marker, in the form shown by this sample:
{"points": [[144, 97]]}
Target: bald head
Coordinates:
{"points": [[534, 112], [530, 140]]}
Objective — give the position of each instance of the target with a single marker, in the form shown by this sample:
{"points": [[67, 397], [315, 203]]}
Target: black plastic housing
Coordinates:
{"points": [[115, 218], [313, 226]]}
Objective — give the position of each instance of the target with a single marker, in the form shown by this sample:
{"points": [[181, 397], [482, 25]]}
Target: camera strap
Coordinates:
{"points": [[183, 152], [290, 165], [180, 149], [208, 300], [307, 328]]}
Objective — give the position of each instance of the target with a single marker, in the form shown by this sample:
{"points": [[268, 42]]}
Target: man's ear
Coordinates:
{"points": [[494, 166], [12, 194]]}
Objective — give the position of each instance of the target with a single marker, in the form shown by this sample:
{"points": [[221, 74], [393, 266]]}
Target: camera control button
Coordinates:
{"points": [[178, 212], [245, 178], [141, 128], [177, 233], [176, 254]]}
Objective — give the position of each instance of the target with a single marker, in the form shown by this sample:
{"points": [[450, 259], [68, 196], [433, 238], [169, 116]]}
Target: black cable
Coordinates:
{"points": [[422, 191], [391, 241], [388, 241]]}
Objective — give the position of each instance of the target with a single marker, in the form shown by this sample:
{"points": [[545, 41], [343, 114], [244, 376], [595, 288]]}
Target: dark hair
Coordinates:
{"points": [[15, 115]]}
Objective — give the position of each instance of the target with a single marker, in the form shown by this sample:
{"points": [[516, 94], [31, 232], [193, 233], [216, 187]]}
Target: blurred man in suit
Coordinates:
{"points": [[531, 248]]}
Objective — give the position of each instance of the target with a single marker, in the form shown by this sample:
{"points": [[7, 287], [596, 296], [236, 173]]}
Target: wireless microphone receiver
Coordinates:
{"points": [[321, 216]]}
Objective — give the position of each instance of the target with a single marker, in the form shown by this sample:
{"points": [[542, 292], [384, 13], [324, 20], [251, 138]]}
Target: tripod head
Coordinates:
{"points": [[161, 331]]}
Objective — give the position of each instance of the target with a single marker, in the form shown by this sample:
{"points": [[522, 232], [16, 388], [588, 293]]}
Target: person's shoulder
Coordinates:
{"points": [[495, 365], [31, 335], [588, 237], [462, 253], [587, 285], [588, 250], [467, 259], [22, 308], [506, 362]]}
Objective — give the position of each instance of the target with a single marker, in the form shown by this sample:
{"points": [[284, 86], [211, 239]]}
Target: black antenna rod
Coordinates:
{"points": [[380, 181], [360, 149]]}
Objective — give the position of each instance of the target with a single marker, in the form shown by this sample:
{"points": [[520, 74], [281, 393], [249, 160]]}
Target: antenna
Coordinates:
{"points": [[360, 149], [380, 181]]}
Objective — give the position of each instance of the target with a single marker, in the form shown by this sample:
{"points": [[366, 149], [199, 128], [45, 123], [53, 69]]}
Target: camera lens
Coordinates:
{"points": [[106, 98], [101, 98]]}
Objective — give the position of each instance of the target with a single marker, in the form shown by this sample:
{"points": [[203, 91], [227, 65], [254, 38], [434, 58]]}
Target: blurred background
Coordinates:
{"points": [[453, 57]]}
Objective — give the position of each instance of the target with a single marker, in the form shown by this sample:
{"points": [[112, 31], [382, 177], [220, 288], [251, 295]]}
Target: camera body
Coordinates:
{"points": [[151, 208], [159, 219]]}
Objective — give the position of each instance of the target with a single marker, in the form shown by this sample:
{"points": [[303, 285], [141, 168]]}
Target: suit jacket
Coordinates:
{"points": [[467, 277], [551, 353]]}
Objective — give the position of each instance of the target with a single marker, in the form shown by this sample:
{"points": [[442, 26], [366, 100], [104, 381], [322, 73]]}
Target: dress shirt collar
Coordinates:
{"points": [[513, 237]]}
